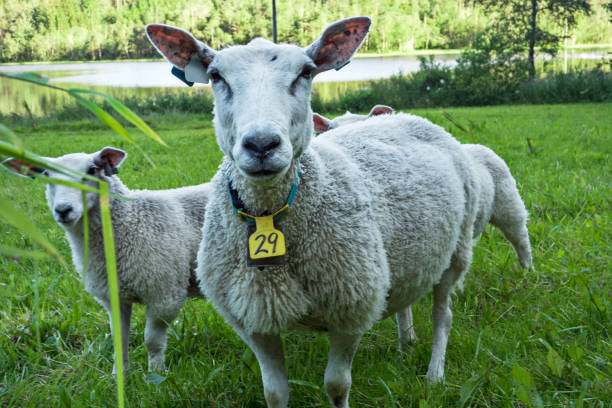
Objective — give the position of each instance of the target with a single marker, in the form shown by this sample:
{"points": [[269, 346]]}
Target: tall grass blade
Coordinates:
{"points": [[33, 77], [22, 223], [22, 253], [15, 140], [113, 287], [85, 232], [105, 117], [124, 111]]}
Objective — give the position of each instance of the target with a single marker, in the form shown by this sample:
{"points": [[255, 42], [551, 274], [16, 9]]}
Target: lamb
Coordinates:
{"points": [[331, 234], [156, 235], [499, 202]]}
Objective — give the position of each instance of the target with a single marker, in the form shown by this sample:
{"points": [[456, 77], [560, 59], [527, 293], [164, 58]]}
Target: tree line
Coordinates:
{"points": [[47, 30]]}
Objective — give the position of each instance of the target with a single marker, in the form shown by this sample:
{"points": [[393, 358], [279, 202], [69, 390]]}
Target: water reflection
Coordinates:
{"points": [[147, 78]]}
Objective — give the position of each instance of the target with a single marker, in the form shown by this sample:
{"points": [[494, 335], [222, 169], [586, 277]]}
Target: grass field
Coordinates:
{"points": [[520, 337]]}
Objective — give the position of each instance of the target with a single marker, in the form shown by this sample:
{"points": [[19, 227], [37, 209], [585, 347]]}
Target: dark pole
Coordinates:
{"points": [[274, 20]]}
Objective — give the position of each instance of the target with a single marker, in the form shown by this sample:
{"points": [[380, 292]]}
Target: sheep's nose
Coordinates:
{"points": [[63, 210], [261, 145]]}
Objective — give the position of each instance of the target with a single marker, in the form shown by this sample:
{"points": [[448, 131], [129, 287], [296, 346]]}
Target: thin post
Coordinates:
{"points": [[274, 21]]}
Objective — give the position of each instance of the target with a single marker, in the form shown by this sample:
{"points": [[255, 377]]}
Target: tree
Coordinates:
{"points": [[523, 21]]}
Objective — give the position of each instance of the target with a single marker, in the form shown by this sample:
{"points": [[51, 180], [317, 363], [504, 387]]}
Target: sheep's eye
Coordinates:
{"points": [[92, 170], [215, 76], [306, 73]]}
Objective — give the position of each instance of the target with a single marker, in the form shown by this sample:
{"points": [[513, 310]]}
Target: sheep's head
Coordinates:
{"points": [[263, 119], [323, 124], [65, 202]]}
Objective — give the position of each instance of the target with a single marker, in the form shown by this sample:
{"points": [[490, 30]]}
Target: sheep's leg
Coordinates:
{"points": [[269, 352], [155, 336], [405, 327], [442, 315], [125, 315], [338, 372]]}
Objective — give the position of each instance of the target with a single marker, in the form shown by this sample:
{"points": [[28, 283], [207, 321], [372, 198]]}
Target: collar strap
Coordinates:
{"points": [[239, 207]]}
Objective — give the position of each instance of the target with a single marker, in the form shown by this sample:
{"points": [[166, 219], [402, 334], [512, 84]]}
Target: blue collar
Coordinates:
{"points": [[239, 207]]}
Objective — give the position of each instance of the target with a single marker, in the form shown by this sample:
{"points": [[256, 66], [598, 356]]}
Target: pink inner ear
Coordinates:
{"points": [[112, 156], [381, 110], [340, 41], [176, 45], [321, 124], [18, 166]]}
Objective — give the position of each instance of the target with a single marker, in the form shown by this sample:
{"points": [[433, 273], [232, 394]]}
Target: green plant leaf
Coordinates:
{"points": [[522, 394], [213, 374], [555, 362], [85, 232], [305, 384], [65, 399], [22, 223], [154, 378], [15, 140], [113, 287], [124, 111], [467, 389], [105, 117], [522, 377], [23, 253], [28, 76], [575, 352]]}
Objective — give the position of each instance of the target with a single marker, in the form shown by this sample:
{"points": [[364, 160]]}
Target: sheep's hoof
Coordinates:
{"points": [[435, 375]]}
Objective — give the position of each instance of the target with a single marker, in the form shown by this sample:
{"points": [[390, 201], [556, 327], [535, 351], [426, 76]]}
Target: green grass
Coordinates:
{"points": [[519, 337]]}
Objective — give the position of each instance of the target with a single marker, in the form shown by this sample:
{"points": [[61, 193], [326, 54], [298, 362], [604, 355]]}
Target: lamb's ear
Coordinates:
{"points": [[321, 123], [182, 50], [109, 159], [22, 168], [338, 43], [381, 110]]}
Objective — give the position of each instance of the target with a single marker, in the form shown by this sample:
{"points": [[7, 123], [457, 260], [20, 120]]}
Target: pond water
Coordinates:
{"points": [[147, 78]]}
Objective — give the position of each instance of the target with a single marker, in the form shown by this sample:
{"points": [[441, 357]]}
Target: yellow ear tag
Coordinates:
{"points": [[266, 241]]}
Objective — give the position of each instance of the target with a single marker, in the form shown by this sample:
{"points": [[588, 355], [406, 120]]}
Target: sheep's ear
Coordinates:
{"points": [[22, 168], [381, 110], [338, 43], [182, 50], [109, 159], [321, 123]]}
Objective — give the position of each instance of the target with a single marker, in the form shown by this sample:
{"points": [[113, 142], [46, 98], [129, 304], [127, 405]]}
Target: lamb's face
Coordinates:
{"points": [[66, 203], [262, 106]]}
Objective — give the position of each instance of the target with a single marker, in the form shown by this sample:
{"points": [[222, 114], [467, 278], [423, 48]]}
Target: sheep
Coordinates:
{"points": [[156, 233], [323, 124], [372, 216], [499, 202]]}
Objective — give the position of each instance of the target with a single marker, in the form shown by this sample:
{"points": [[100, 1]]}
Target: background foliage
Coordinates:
{"points": [[46, 30]]}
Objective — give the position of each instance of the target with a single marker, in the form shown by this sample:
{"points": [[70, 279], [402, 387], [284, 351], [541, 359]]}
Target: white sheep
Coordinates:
{"points": [[499, 202], [323, 124], [384, 209], [156, 234]]}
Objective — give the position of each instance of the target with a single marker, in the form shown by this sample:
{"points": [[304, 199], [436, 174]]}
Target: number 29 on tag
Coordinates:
{"points": [[266, 241]]}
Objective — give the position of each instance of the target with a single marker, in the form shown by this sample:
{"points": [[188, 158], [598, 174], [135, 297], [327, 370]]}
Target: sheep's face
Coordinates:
{"points": [[263, 119], [65, 202], [262, 107]]}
